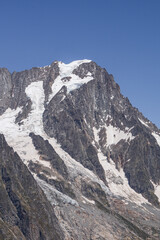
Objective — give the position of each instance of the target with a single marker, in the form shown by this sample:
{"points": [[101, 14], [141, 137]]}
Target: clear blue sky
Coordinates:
{"points": [[121, 35]]}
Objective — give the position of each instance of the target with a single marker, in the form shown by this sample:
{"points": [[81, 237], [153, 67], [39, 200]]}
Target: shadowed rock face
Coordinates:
{"points": [[48, 153], [144, 167], [5, 89], [25, 212], [12, 87]]}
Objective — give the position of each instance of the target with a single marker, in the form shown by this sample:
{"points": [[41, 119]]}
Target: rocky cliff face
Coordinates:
{"points": [[25, 212], [95, 156], [94, 114]]}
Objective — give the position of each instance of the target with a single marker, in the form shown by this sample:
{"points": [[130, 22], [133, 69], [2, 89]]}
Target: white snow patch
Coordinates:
{"points": [[96, 134], [45, 163], [89, 74], [112, 97], [53, 177], [117, 181], [88, 200], [20, 141], [44, 67], [35, 92], [53, 195], [128, 160], [157, 137], [114, 135], [156, 190], [144, 123], [18, 136], [74, 82]]}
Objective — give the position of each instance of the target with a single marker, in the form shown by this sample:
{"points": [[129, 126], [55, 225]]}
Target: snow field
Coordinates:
{"points": [[74, 80], [117, 182]]}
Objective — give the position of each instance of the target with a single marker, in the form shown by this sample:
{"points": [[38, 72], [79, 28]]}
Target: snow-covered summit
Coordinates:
{"points": [[67, 78]]}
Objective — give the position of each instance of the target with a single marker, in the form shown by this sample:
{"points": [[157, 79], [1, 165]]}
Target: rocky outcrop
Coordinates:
{"points": [[144, 166], [25, 213], [47, 153], [69, 128], [5, 89], [60, 179]]}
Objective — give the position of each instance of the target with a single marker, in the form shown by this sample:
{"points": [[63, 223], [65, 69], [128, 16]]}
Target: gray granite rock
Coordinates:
{"points": [[25, 213]]}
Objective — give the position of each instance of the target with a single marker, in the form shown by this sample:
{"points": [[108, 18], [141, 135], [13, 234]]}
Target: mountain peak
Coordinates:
{"points": [[87, 147]]}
